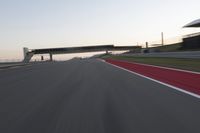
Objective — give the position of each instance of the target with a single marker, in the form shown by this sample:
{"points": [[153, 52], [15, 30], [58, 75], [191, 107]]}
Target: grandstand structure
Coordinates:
{"points": [[192, 41]]}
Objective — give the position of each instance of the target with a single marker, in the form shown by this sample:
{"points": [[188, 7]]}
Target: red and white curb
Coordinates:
{"points": [[157, 81]]}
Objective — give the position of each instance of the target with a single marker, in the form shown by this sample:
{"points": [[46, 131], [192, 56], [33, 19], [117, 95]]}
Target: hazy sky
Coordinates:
{"points": [[63, 23]]}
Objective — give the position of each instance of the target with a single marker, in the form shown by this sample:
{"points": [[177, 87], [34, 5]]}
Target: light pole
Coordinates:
{"points": [[162, 38]]}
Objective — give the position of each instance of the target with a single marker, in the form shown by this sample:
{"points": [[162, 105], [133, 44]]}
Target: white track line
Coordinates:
{"points": [[168, 85]]}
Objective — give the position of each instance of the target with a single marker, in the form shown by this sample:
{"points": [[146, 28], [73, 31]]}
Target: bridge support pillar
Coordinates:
{"points": [[27, 55], [51, 56]]}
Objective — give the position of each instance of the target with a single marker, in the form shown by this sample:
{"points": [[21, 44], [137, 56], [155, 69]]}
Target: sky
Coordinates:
{"points": [[68, 23]]}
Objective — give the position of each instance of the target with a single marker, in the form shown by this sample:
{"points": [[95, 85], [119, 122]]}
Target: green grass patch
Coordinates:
{"points": [[168, 48], [172, 48], [180, 63]]}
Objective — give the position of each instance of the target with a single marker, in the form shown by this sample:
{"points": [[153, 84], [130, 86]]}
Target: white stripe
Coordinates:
{"points": [[168, 85]]}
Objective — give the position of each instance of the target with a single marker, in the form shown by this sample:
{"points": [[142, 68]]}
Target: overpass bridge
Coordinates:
{"points": [[29, 53]]}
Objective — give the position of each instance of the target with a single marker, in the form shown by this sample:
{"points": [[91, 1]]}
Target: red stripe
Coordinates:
{"points": [[184, 80]]}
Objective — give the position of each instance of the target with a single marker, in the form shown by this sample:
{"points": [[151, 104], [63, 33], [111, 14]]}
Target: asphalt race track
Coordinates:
{"points": [[90, 96]]}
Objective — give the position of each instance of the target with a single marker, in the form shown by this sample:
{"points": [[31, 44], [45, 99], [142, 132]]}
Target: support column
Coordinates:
{"points": [[51, 56], [25, 52], [147, 45], [162, 38], [27, 55], [42, 58]]}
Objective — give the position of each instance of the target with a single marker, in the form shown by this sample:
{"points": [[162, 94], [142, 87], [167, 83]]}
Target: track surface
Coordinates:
{"points": [[90, 96]]}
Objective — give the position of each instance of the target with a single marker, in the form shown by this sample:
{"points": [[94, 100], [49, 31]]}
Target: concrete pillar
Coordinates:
{"points": [[27, 55], [51, 56], [42, 58], [25, 50], [147, 45], [162, 38]]}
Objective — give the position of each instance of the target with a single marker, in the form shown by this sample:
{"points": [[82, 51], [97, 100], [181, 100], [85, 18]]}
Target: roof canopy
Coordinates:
{"points": [[195, 23]]}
